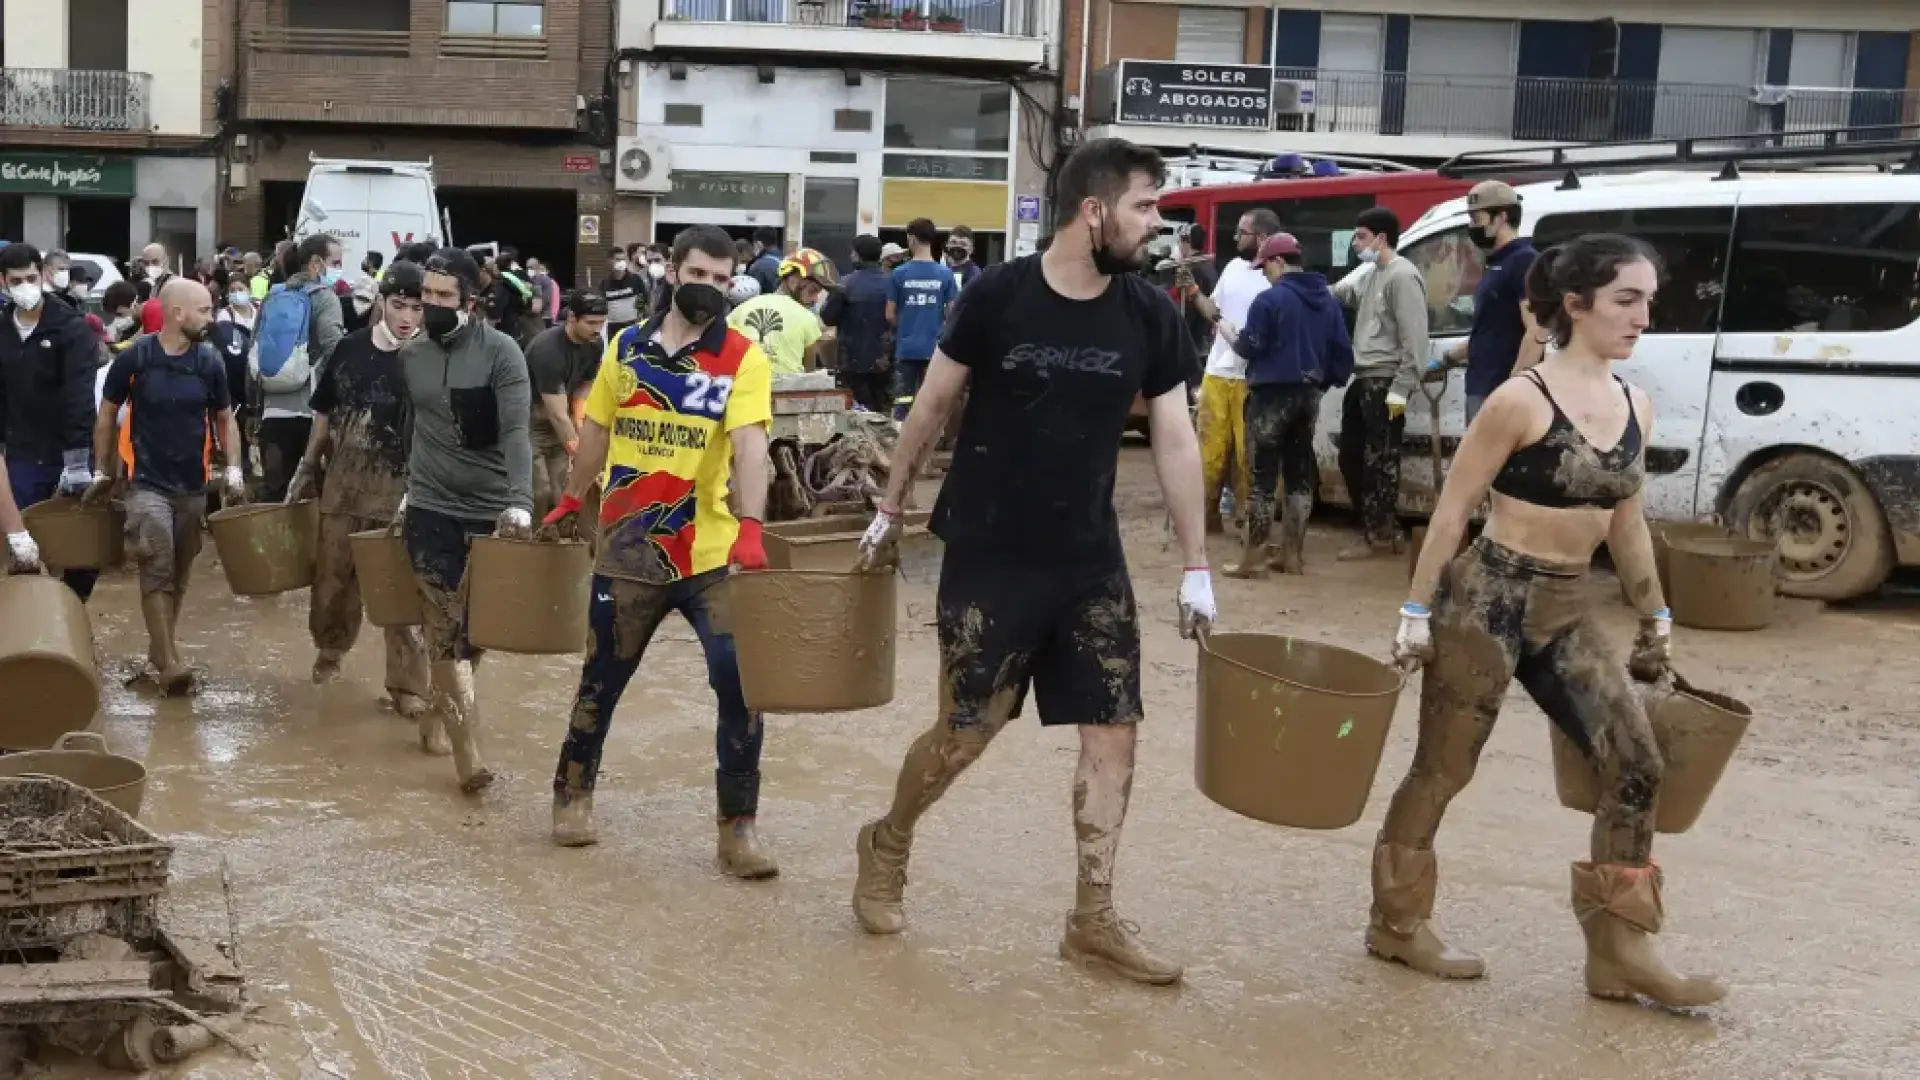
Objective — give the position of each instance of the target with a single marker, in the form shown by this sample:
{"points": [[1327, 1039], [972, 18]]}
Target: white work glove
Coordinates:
{"points": [[75, 473], [23, 555], [1652, 653], [234, 484], [514, 524], [1196, 601], [879, 545], [1413, 643], [1396, 405]]}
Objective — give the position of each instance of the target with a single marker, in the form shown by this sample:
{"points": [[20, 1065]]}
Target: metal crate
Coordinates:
{"points": [[72, 864]]}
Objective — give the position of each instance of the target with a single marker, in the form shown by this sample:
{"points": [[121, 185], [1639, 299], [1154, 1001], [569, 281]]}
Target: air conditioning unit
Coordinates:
{"points": [[642, 166]]}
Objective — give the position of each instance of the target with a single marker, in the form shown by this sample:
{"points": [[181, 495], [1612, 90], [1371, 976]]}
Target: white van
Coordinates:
{"points": [[1783, 360], [370, 206]]}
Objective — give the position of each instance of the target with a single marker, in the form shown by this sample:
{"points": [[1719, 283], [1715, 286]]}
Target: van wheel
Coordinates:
{"points": [[1832, 537]]}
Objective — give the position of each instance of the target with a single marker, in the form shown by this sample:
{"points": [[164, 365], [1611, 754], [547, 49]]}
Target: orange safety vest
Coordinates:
{"points": [[126, 438]]}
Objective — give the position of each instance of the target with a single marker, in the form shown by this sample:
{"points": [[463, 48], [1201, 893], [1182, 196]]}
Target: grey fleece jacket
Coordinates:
{"points": [[470, 457], [1390, 335], [324, 331]]}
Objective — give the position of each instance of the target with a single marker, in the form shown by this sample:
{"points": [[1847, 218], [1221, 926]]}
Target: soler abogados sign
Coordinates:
{"points": [[1202, 95]]}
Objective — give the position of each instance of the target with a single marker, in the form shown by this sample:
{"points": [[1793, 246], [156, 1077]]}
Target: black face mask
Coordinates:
{"points": [[1104, 260], [1484, 239], [699, 303], [440, 321]]}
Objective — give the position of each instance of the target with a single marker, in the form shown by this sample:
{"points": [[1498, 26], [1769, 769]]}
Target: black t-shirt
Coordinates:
{"points": [[1052, 383], [363, 395], [561, 366], [172, 398]]}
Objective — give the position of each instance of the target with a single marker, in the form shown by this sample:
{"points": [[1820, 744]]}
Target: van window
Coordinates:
{"points": [[1451, 265], [1837, 268], [1314, 222], [1692, 242]]}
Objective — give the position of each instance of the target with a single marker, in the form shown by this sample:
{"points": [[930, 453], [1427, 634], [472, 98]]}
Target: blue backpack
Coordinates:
{"points": [[279, 357]]}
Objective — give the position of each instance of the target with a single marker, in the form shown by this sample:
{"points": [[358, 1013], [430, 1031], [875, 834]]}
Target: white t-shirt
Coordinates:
{"points": [[1239, 284]]}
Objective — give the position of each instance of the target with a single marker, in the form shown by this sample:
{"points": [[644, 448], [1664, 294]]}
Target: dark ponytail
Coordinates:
{"points": [[1580, 267]]}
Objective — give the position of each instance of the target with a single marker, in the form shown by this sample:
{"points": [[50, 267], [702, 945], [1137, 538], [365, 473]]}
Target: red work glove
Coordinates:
{"points": [[562, 510], [748, 552]]}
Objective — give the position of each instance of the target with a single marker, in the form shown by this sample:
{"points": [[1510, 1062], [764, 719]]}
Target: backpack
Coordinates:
{"points": [[279, 356]]}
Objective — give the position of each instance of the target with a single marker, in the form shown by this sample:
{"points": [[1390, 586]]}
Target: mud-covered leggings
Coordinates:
{"points": [[1370, 456], [1499, 614], [1280, 420]]}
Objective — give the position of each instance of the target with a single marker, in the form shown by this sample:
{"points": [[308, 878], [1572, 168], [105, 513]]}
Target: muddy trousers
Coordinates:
{"points": [[333, 614], [1280, 421], [1223, 442], [163, 536], [36, 484], [622, 617], [283, 442], [1497, 615], [437, 549], [551, 468], [1370, 457]]}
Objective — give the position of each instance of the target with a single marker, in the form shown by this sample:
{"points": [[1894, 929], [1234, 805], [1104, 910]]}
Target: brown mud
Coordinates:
{"points": [[395, 929]]}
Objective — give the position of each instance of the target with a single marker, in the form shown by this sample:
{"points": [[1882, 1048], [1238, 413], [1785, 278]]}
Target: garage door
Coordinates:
{"points": [[1706, 81], [1460, 77]]}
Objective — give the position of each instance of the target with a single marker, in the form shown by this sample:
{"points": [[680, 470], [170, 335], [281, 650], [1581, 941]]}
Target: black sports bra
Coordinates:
{"points": [[1563, 469]]}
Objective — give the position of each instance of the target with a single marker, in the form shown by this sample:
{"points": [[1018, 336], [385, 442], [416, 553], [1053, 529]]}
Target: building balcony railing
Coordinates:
{"points": [[1014, 18], [75, 100], [308, 42]]}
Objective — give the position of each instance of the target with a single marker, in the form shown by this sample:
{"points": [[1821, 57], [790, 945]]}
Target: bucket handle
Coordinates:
{"points": [[82, 740]]}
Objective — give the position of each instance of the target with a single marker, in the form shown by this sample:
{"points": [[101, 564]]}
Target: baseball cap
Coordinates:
{"points": [[1488, 194], [888, 251], [1277, 245]]}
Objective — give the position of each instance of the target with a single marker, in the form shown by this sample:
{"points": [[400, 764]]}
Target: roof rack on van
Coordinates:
{"points": [[1253, 160], [1888, 146]]}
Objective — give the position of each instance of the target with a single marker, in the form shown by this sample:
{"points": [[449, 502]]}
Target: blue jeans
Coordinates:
{"points": [[907, 377], [622, 617], [37, 483]]}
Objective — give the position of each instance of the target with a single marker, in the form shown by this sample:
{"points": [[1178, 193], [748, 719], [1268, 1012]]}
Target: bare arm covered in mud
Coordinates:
{"points": [[228, 433], [1490, 440], [946, 379], [752, 470], [591, 459], [1629, 541], [1176, 460]]}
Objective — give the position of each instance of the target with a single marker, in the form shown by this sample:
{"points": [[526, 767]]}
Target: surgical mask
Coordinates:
{"points": [[332, 276], [61, 279], [440, 322], [154, 272], [619, 266], [239, 300], [26, 295], [699, 303], [1370, 255], [657, 270]]}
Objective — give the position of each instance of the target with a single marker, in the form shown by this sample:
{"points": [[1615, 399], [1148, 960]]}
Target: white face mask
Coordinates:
{"points": [[154, 272], [620, 266], [25, 295], [61, 279], [657, 270], [1370, 255]]}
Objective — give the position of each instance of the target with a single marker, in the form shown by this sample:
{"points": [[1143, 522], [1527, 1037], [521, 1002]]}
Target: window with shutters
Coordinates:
{"points": [[1211, 35]]}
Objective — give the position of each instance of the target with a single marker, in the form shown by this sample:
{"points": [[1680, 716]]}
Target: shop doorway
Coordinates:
{"points": [[538, 224], [13, 217], [99, 226]]}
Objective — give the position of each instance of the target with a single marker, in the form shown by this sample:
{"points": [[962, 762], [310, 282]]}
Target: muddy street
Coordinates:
{"points": [[396, 928]]}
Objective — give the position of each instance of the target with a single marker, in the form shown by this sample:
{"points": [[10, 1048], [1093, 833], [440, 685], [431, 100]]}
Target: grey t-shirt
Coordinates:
{"points": [[558, 365], [470, 457]]}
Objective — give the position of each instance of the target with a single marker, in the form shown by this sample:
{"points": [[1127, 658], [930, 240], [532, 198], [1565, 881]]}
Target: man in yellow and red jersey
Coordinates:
{"points": [[679, 403]]}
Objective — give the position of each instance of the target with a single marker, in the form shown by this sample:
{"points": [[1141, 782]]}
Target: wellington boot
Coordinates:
{"points": [[1101, 937], [573, 819], [453, 687], [1399, 927], [1284, 557], [170, 673], [1620, 909], [740, 852], [882, 879], [1292, 557], [433, 736], [1252, 565], [326, 667], [408, 706]]}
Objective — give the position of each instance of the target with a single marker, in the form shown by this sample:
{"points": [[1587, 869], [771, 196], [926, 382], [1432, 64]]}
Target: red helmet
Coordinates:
{"points": [[1277, 245]]}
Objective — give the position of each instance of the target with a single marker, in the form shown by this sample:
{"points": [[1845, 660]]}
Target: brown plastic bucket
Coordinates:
{"points": [[814, 640], [387, 587], [832, 543], [81, 757], [1722, 582], [75, 537], [1290, 731], [48, 683], [1664, 535], [267, 548], [528, 596], [1697, 731]]}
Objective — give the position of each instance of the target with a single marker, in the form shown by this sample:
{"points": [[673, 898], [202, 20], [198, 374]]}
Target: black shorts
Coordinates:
{"points": [[1072, 636]]}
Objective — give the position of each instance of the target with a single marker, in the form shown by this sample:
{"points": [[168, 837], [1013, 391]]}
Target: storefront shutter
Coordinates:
{"points": [[1209, 35]]}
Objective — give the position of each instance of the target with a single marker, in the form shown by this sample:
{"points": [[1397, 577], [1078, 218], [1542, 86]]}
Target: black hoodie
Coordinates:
{"points": [[46, 385]]}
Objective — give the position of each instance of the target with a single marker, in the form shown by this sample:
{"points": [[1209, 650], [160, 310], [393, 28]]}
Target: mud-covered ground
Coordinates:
{"points": [[398, 929]]}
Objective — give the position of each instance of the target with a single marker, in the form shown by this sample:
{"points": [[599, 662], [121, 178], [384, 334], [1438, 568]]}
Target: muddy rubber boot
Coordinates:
{"points": [[1620, 909], [326, 666], [1253, 562], [170, 673], [1102, 938], [740, 852], [408, 706], [1399, 927], [458, 711], [433, 737], [1292, 556], [573, 819], [882, 879]]}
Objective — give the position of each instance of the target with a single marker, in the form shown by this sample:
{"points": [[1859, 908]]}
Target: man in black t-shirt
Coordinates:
{"points": [[1052, 351], [357, 460], [562, 362]]}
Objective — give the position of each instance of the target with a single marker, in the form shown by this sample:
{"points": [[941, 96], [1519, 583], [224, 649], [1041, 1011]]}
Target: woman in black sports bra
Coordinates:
{"points": [[1562, 449]]}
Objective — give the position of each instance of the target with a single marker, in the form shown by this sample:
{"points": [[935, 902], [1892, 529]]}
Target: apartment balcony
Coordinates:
{"points": [[1001, 34], [1415, 116], [75, 101]]}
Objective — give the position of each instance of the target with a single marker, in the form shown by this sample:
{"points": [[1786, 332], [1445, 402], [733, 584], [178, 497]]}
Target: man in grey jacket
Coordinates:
{"points": [[1390, 352], [286, 419], [469, 473]]}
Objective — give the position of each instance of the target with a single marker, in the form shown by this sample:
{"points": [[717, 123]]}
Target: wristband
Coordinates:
{"points": [[1664, 613], [1415, 611]]}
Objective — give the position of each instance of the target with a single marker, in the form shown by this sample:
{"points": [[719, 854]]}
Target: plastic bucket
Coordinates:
{"points": [[387, 588], [75, 537], [528, 596], [81, 758], [833, 543], [48, 683], [814, 640], [1290, 731], [1722, 582], [267, 548], [1697, 731], [1664, 535]]}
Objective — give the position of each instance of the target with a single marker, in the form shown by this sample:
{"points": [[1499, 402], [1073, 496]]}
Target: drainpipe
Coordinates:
{"points": [[1086, 51]]}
